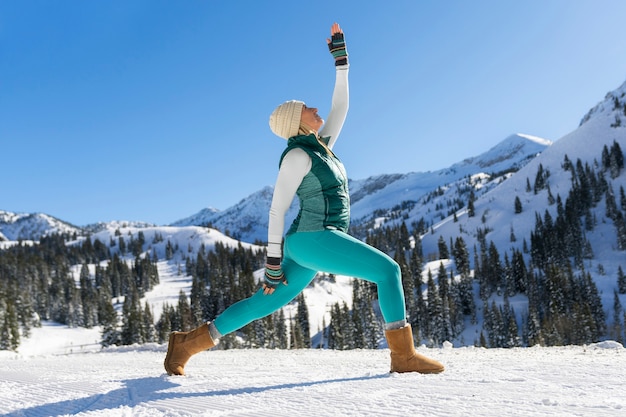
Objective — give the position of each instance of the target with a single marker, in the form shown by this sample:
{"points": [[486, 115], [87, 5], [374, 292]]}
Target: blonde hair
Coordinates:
{"points": [[305, 129]]}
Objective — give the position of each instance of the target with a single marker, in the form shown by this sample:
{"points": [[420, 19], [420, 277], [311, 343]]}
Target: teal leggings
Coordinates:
{"points": [[331, 251]]}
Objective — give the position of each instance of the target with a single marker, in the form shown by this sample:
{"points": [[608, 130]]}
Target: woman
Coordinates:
{"points": [[317, 239]]}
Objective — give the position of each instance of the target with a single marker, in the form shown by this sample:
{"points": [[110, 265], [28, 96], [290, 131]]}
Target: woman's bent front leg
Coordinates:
{"points": [[260, 305]]}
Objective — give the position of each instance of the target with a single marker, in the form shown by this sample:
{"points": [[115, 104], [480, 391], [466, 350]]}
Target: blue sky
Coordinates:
{"points": [[153, 110]]}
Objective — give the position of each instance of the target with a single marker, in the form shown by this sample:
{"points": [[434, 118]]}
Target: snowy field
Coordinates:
{"points": [[51, 378]]}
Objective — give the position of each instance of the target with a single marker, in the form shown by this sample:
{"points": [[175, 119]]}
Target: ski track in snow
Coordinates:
{"points": [[130, 381]]}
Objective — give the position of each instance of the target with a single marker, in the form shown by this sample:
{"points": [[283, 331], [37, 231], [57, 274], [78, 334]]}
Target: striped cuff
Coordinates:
{"points": [[273, 274]]}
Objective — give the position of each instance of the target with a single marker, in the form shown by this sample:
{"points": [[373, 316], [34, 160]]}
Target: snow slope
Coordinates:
{"points": [[130, 381]]}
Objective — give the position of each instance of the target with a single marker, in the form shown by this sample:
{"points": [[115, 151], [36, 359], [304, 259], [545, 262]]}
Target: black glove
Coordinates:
{"points": [[337, 47]]}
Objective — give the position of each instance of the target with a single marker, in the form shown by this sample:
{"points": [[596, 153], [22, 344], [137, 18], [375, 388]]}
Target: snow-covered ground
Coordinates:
{"points": [[53, 377]]}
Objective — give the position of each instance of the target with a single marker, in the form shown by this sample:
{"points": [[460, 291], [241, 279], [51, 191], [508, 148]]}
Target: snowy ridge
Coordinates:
{"points": [[189, 239], [115, 224], [27, 226], [509, 155], [202, 218], [246, 221], [613, 107]]}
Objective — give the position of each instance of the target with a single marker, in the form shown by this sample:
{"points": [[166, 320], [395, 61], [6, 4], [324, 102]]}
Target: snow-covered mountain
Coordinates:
{"points": [[509, 155], [32, 226], [246, 220], [495, 209]]}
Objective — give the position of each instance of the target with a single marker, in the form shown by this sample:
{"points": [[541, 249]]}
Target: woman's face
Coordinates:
{"points": [[311, 118]]}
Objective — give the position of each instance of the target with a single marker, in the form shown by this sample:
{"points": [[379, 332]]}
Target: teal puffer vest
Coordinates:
{"points": [[323, 193]]}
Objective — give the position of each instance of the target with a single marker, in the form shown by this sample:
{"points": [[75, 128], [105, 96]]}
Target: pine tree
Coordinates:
{"points": [[596, 310], [540, 179], [198, 296], [271, 337], [533, 331], [470, 204], [89, 301], [616, 160], [27, 316], [519, 273], [349, 329], [281, 330], [444, 253], [297, 339], [107, 316], [461, 257], [551, 199], [435, 312], [493, 270], [164, 325], [184, 312], [335, 328], [149, 331], [416, 263], [620, 227], [518, 205], [512, 329], [302, 321], [447, 304], [621, 280], [617, 331], [357, 317], [9, 332], [132, 321]]}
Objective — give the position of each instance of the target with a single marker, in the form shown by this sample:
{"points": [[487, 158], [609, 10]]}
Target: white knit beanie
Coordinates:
{"points": [[285, 119]]}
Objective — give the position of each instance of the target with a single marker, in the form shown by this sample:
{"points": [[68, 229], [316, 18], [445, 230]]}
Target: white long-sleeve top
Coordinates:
{"points": [[297, 163]]}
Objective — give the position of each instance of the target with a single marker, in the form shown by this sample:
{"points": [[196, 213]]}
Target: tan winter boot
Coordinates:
{"points": [[183, 345], [404, 358]]}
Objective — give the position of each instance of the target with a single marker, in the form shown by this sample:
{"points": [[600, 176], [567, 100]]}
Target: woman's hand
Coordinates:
{"points": [[337, 45]]}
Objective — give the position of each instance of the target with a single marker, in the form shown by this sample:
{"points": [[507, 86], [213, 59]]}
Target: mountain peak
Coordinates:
{"points": [[200, 218], [536, 139], [519, 147]]}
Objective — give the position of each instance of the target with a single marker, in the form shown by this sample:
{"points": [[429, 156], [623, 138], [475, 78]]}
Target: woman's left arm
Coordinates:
{"points": [[341, 96], [338, 108]]}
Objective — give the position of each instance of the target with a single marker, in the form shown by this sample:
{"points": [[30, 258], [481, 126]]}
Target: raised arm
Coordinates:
{"points": [[340, 101]]}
